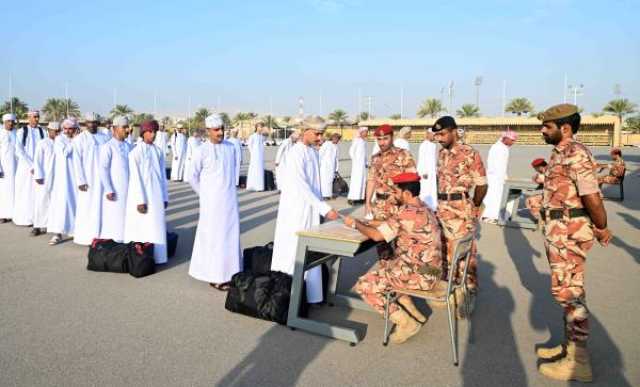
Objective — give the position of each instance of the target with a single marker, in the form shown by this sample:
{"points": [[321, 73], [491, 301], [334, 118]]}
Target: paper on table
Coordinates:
{"points": [[334, 230]]}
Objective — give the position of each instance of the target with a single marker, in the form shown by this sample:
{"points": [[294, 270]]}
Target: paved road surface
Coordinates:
{"points": [[62, 325]]}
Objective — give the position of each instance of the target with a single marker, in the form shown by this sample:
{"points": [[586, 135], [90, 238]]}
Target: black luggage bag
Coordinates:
{"points": [[261, 296], [257, 260], [141, 262], [108, 256], [340, 187]]}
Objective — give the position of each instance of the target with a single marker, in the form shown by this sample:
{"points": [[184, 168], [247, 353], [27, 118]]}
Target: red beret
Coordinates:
{"points": [[383, 130], [538, 163], [408, 177], [149, 126]]}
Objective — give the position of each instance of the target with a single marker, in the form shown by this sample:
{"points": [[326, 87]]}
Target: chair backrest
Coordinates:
{"points": [[461, 251]]}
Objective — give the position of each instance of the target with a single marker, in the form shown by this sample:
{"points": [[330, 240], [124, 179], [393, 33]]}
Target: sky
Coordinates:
{"points": [[262, 56]]}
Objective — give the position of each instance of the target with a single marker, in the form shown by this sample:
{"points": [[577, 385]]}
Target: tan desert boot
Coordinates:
{"points": [[574, 366], [547, 353], [408, 304], [406, 327]]}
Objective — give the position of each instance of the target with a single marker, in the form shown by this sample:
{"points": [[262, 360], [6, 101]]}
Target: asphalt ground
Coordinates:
{"points": [[61, 325]]}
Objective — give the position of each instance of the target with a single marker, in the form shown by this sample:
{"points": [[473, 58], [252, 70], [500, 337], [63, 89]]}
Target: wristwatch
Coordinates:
{"points": [[353, 225]]}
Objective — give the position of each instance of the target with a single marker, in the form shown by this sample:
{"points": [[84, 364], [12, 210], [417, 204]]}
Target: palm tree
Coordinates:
{"points": [[363, 116], [431, 107], [54, 109], [620, 107], [138, 118], [16, 106], [338, 116], [395, 116], [225, 120], [72, 108], [166, 121], [468, 110], [200, 116], [240, 117], [519, 106], [120, 110], [269, 121]]}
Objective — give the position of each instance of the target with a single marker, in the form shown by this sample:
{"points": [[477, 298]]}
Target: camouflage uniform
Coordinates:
{"points": [[417, 259], [534, 202], [383, 167], [571, 173], [459, 170], [616, 171]]}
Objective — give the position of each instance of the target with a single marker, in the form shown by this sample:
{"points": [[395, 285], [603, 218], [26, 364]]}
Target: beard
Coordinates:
{"points": [[552, 140]]}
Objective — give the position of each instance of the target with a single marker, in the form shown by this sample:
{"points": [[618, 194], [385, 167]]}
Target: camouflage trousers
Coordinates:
{"points": [[534, 204], [567, 262], [608, 180], [392, 274]]}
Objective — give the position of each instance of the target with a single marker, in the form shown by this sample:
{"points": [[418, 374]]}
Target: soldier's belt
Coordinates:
{"points": [[452, 196], [560, 213]]}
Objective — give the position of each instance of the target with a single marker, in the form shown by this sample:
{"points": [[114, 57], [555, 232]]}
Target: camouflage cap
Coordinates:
{"points": [[557, 112]]}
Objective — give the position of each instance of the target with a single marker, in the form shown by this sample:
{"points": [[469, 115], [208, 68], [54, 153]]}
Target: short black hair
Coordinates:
{"points": [[573, 121], [413, 187]]}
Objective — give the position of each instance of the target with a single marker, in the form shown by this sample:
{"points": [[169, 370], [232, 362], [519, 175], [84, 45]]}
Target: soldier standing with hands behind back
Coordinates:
{"points": [[573, 214]]}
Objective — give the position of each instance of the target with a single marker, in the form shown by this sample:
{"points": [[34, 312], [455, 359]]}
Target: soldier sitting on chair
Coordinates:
{"points": [[616, 169], [416, 263]]}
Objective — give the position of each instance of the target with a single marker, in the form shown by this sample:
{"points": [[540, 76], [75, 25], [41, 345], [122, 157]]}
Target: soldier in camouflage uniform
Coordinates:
{"points": [[534, 202], [389, 162], [616, 169], [460, 170], [573, 214], [416, 263]]}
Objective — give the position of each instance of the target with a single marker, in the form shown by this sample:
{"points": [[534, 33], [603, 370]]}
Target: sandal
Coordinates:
{"points": [[222, 287], [55, 240]]}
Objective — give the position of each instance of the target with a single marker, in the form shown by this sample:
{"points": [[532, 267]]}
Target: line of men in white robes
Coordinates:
{"points": [[86, 185]]}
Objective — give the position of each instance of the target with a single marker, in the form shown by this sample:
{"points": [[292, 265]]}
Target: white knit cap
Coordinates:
{"points": [[214, 121], [121, 121], [53, 125]]}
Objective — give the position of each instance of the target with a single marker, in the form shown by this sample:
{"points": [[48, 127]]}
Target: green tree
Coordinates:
{"points": [[363, 116], [431, 107], [395, 116], [120, 110], [54, 109], [73, 109], [15, 106], [468, 110], [620, 107], [632, 124], [166, 121], [519, 106], [269, 121], [225, 119], [200, 116], [241, 117], [339, 117], [137, 119]]}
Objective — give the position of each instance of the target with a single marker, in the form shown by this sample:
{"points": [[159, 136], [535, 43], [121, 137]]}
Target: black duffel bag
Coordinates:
{"points": [[340, 187], [107, 255], [141, 261], [261, 296], [257, 260]]}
